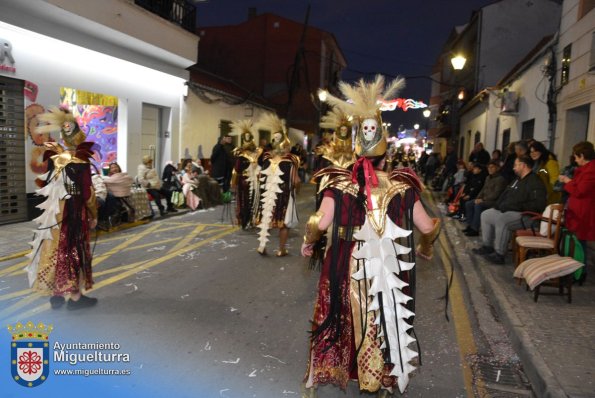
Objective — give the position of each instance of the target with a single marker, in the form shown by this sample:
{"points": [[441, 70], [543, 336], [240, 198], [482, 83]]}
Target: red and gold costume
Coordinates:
{"points": [[61, 254], [245, 178], [362, 323], [279, 180]]}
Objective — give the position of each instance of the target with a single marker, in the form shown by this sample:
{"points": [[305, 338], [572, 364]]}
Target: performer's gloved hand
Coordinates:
{"points": [[425, 248], [307, 249]]}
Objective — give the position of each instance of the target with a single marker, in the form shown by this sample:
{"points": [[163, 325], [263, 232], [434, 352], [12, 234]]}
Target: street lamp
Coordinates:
{"points": [[416, 126], [458, 62], [322, 95], [427, 113]]}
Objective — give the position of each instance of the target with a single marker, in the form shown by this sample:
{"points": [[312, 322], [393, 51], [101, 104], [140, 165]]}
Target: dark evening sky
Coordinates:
{"points": [[392, 37]]}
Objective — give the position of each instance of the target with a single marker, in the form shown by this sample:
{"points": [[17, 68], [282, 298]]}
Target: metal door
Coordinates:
{"points": [[13, 195]]}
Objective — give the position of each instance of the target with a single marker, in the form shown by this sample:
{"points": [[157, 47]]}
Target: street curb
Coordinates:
{"points": [[543, 380]]}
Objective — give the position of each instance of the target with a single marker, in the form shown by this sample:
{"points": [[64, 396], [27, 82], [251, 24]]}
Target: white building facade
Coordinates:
{"points": [[111, 56], [575, 76]]}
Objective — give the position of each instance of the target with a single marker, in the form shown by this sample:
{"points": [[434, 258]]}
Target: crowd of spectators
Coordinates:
{"points": [[492, 194]]}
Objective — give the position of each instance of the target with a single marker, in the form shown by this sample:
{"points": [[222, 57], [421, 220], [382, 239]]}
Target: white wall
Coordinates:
{"points": [[200, 128], [52, 64], [580, 90], [474, 120]]}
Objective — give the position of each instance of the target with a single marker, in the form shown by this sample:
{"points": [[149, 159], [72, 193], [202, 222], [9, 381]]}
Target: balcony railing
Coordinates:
{"points": [[180, 12]]}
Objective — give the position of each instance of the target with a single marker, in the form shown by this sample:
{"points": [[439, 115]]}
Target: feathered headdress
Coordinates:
{"points": [[245, 130], [339, 122], [364, 100], [275, 125], [55, 120]]}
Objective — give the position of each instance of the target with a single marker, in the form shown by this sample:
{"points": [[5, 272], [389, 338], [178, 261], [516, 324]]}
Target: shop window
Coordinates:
{"points": [[565, 74], [528, 129]]}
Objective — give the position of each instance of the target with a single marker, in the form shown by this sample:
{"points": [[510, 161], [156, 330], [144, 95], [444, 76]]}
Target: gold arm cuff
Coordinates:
{"points": [[313, 233], [426, 241]]}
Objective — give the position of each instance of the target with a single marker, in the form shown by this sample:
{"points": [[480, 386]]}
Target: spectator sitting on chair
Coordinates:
{"points": [[493, 186], [473, 186], [458, 180], [526, 193], [547, 168], [170, 184], [147, 177]]}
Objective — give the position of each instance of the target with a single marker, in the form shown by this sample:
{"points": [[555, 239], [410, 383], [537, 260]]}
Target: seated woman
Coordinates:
{"points": [[190, 186], [119, 186]]}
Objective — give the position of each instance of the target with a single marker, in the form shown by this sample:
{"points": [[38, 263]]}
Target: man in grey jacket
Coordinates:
{"points": [[526, 193], [486, 198]]}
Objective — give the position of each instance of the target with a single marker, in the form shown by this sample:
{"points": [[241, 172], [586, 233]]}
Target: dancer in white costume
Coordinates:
{"points": [[279, 183], [245, 178]]}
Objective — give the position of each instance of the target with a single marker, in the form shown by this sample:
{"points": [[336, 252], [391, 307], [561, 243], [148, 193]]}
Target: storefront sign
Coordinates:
{"points": [[6, 56]]}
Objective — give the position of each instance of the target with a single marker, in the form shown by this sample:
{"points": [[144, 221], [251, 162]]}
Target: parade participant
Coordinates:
{"points": [[339, 151], [61, 254], [365, 290], [245, 173], [278, 186]]}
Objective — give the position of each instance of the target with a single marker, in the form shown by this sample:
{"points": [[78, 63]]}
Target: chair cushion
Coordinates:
{"points": [[535, 242], [537, 270]]}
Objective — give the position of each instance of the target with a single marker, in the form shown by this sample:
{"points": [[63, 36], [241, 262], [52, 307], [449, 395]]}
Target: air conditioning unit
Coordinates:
{"points": [[510, 102]]}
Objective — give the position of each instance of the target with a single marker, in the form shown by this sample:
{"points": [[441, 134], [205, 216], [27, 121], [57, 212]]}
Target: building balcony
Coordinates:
{"points": [[180, 12]]}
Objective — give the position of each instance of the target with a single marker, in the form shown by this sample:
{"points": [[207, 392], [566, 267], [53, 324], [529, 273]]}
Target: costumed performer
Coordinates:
{"points": [[61, 254], [278, 183], [363, 312], [245, 174]]}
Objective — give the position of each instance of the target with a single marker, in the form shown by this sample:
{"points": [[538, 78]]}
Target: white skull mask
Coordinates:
{"points": [[369, 129], [277, 137]]}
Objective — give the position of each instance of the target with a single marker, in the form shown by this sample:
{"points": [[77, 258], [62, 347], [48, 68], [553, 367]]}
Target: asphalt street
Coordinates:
{"points": [[202, 314]]}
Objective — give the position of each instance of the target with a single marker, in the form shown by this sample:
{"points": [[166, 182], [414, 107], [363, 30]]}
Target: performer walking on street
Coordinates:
{"points": [[279, 183], [61, 254], [246, 173], [362, 325]]}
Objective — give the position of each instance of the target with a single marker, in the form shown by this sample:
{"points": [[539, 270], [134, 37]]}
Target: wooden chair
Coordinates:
{"points": [[547, 243]]}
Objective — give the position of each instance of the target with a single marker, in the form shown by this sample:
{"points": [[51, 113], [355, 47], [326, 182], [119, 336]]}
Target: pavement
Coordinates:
{"points": [[554, 339]]}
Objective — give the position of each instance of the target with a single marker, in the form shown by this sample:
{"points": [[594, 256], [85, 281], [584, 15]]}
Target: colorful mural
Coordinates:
{"points": [[100, 124]]}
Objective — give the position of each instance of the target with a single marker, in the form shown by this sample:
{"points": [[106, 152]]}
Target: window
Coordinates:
{"points": [[462, 148], [566, 64], [528, 129], [584, 7], [505, 140], [264, 135], [477, 137]]}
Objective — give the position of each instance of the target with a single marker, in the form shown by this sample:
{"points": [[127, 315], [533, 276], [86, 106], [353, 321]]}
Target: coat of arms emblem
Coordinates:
{"points": [[29, 353]]}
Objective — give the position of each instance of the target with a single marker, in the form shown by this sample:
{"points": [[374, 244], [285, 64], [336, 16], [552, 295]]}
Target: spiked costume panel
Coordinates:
{"points": [[246, 171], [61, 254], [277, 189]]}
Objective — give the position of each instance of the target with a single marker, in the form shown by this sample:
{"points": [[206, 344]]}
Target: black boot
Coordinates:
{"points": [[82, 302], [57, 302]]}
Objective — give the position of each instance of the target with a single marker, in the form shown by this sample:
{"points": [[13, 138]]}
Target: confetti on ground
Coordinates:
{"points": [[234, 362], [208, 346], [233, 309], [133, 285], [156, 249], [253, 374], [277, 359], [184, 296]]}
